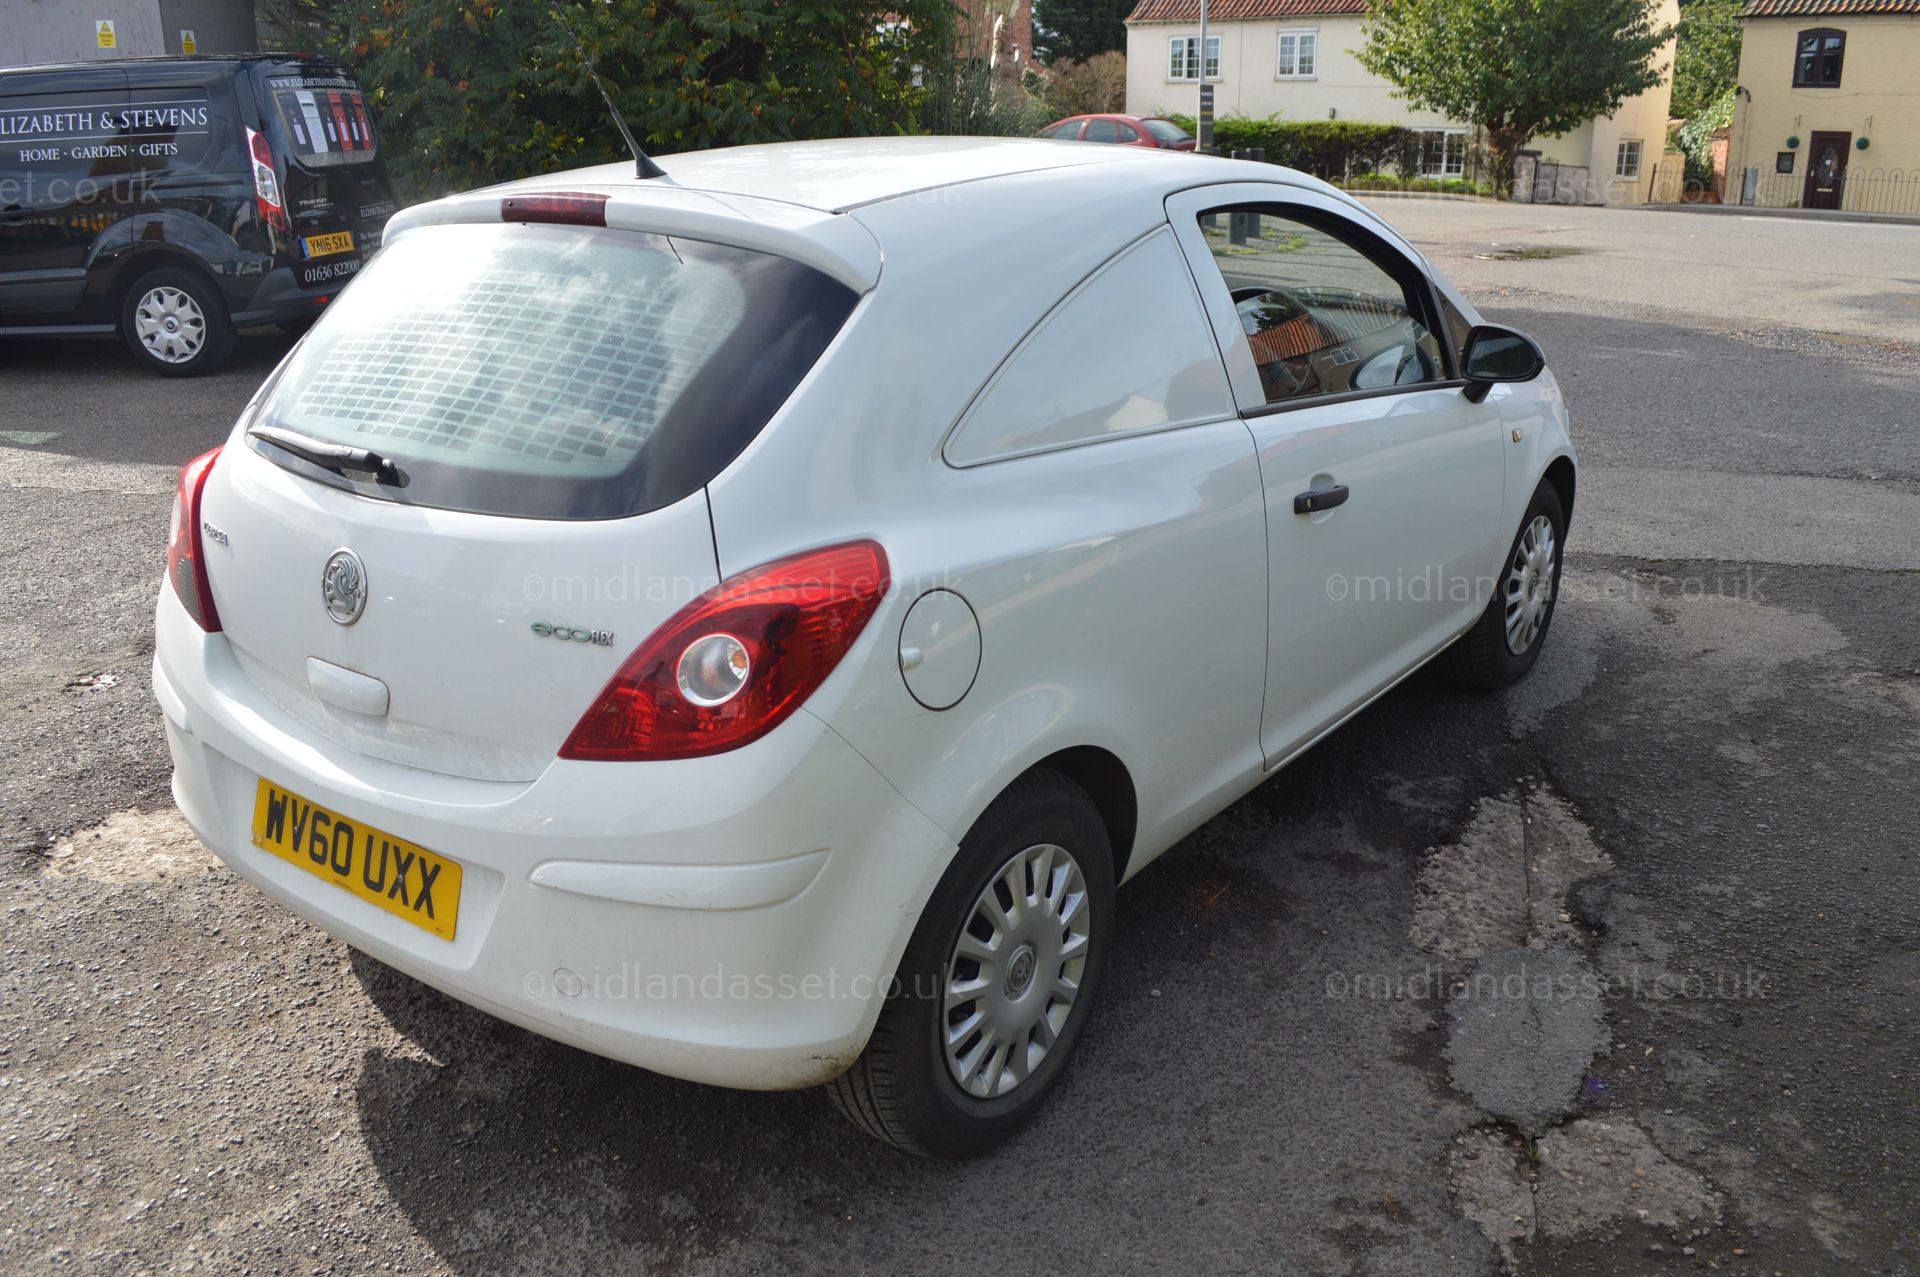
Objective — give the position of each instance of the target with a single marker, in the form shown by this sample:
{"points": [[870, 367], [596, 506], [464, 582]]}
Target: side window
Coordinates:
{"points": [[176, 128], [1321, 315], [1102, 131], [1125, 132], [63, 151], [1127, 352], [1067, 132]]}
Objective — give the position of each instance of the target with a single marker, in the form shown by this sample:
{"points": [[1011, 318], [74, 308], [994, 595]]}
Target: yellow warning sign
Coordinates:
{"points": [[103, 32], [187, 43]]}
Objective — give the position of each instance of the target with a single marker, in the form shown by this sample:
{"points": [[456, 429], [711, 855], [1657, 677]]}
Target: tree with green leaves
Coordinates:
{"points": [[1519, 69], [474, 91], [1706, 63], [1080, 29]]}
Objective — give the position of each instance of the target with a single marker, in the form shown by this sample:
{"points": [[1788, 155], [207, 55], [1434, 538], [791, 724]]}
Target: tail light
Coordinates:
{"points": [[736, 662], [266, 186], [186, 552]]}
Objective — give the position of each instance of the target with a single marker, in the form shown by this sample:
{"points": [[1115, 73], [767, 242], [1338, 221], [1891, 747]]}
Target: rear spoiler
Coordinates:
{"points": [[832, 243]]}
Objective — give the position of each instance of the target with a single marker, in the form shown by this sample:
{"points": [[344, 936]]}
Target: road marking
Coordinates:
{"points": [[28, 438]]}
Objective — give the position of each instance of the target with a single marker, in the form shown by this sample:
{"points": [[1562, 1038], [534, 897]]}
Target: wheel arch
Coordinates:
{"points": [[1108, 783], [135, 266], [1560, 473]]}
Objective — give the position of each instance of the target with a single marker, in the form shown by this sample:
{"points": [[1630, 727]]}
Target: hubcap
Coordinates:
{"points": [[170, 325], [1015, 971], [1529, 587]]}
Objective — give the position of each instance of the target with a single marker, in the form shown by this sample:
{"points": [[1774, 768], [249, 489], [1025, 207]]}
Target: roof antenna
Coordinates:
{"points": [[643, 164]]}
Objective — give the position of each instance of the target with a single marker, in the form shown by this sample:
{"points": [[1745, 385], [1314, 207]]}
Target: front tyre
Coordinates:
{"points": [[998, 980], [1504, 643], [176, 323]]}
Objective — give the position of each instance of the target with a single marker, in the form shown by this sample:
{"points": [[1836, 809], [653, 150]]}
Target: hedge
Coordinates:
{"points": [[1330, 149], [1420, 185]]}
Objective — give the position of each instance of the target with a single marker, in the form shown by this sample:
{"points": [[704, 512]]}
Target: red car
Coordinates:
{"points": [[1125, 130]]}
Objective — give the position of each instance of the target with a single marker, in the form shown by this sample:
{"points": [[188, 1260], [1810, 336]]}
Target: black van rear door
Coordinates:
{"points": [[338, 198]]}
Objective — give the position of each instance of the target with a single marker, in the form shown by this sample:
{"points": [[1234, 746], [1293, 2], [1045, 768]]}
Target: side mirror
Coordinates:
{"points": [[1495, 354]]}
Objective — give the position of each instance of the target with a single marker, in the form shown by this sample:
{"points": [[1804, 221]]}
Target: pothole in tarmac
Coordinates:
{"points": [[132, 846], [1525, 1020], [1582, 1178], [1525, 252]]}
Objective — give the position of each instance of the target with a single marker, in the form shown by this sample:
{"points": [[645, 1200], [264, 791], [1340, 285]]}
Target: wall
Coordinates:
{"points": [[218, 26], [1643, 117], [1248, 55], [1875, 100], [1012, 19], [62, 30], [1670, 178]]}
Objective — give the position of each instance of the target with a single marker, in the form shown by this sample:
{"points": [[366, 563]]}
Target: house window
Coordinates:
{"points": [[1183, 57], [1783, 161], [1443, 152], [1816, 64], [1299, 54], [1626, 159]]}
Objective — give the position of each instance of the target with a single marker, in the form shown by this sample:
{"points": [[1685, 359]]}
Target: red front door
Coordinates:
{"points": [[1826, 170]]}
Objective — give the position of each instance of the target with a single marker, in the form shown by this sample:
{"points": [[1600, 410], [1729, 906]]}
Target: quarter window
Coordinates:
{"points": [[1626, 158], [1321, 315], [1817, 58], [1298, 55], [1183, 57], [1458, 329], [1127, 352]]}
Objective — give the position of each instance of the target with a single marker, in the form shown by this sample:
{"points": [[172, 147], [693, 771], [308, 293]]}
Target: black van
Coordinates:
{"points": [[173, 200]]}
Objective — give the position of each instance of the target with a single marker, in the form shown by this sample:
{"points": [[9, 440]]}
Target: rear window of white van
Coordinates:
{"points": [[553, 371]]}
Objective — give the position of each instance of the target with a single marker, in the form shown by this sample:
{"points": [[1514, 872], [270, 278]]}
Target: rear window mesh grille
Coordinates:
{"points": [[550, 365], [550, 371]]}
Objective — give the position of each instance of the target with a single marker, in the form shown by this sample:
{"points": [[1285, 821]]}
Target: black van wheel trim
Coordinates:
{"points": [[177, 323], [170, 324]]}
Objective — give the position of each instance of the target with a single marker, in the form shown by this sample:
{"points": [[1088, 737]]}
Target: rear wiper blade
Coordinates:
{"points": [[329, 456]]}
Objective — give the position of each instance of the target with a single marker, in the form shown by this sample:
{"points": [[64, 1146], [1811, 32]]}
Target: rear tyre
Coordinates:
{"points": [[176, 323], [997, 982], [1504, 643]]}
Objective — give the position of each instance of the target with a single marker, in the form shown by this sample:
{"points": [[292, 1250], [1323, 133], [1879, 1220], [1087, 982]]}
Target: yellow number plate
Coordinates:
{"points": [[337, 242], [407, 881]]}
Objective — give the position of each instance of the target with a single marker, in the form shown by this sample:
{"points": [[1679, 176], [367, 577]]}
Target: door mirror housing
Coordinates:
{"points": [[1494, 355]]}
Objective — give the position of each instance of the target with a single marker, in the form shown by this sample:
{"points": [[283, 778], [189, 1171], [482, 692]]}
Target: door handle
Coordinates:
{"points": [[1321, 499]]}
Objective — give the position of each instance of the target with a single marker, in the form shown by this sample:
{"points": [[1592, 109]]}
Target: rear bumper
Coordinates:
{"points": [[731, 920], [277, 299]]}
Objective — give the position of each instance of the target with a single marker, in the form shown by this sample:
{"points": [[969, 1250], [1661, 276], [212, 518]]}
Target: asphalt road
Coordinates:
{"points": [[1323, 1047]]}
